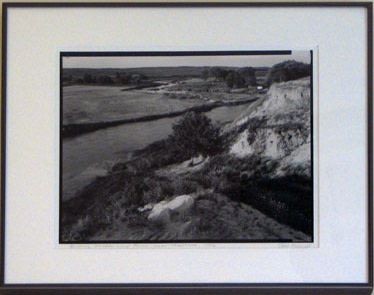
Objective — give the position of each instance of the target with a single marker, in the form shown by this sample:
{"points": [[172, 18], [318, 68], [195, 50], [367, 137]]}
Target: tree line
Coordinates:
{"points": [[246, 76], [286, 71], [233, 78], [124, 78], [240, 78]]}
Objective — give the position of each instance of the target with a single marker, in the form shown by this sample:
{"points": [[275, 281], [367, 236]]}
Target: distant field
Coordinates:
{"points": [[87, 104]]}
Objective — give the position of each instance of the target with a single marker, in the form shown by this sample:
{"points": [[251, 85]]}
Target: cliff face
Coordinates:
{"points": [[278, 128]]}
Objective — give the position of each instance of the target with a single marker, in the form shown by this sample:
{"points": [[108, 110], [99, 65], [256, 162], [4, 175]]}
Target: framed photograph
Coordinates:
{"points": [[181, 148]]}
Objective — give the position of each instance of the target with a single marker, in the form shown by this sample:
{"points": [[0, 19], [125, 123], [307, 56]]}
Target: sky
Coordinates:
{"points": [[174, 61]]}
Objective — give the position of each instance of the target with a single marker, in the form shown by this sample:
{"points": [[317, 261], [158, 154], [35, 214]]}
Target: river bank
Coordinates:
{"points": [[72, 130]]}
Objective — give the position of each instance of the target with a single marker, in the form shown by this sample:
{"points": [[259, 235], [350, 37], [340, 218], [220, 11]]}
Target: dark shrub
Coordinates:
{"points": [[106, 80], [218, 73], [249, 75], [195, 134], [235, 80]]}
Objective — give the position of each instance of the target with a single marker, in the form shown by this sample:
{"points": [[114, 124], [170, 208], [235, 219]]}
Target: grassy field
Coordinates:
{"points": [[147, 92], [91, 104], [87, 104]]}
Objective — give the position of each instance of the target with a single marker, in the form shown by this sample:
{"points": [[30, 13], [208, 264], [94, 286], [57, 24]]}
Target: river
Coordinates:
{"points": [[85, 156]]}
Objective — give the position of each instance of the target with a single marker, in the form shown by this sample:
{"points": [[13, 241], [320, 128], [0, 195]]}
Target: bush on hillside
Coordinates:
{"points": [[195, 134]]}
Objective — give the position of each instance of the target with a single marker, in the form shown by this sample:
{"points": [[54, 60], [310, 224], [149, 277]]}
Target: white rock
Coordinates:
{"points": [[180, 203], [161, 211], [193, 162], [197, 160], [146, 208]]}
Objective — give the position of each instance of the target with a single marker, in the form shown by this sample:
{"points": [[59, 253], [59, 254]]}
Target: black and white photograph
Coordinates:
{"points": [[199, 147]]}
